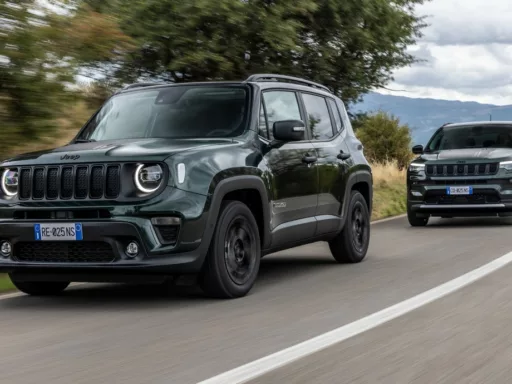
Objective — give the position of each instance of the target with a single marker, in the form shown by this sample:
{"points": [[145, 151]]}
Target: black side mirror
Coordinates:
{"points": [[289, 130], [417, 149]]}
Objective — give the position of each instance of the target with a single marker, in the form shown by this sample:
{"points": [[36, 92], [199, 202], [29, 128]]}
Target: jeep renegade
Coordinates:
{"points": [[195, 178]]}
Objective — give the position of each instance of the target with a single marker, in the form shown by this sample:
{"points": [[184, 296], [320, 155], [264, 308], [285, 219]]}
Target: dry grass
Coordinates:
{"points": [[389, 196], [67, 127]]}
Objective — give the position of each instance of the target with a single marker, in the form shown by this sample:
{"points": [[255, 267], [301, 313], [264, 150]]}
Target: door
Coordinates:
{"points": [[293, 175], [333, 158]]}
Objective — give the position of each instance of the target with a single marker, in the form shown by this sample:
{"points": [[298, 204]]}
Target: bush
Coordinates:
{"points": [[385, 139]]}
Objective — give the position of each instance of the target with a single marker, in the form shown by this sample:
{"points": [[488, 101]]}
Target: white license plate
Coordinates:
{"points": [[459, 190], [58, 232]]}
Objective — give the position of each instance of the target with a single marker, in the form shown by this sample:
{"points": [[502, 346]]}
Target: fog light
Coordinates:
{"points": [[132, 250], [6, 249], [165, 221]]}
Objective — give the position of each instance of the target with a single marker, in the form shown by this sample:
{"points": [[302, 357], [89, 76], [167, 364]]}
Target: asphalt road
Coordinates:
{"points": [[120, 334]]}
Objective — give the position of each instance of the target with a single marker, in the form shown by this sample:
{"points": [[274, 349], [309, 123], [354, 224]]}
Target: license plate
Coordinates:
{"points": [[58, 232], [459, 190]]}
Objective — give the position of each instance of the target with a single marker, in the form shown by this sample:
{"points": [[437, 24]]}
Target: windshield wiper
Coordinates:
{"points": [[84, 141]]}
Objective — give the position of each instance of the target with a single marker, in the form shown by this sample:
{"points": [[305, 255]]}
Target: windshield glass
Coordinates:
{"points": [[173, 112], [475, 136]]}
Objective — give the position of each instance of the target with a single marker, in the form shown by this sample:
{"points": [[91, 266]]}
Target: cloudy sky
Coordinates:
{"points": [[468, 48]]}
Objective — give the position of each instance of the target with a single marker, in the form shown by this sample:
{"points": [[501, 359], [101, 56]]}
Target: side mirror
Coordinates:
{"points": [[289, 130], [417, 149]]}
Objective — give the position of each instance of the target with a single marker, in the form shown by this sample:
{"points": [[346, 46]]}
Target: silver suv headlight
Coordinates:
{"points": [[10, 178], [416, 167], [148, 178], [507, 165]]}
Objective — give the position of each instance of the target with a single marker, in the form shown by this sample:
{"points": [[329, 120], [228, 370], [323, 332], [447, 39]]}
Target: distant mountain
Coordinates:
{"points": [[424, 116]]}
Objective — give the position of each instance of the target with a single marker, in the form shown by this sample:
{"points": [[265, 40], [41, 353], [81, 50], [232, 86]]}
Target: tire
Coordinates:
{"points": [[351, 244], [40, 288], [416, 221], [233, 260]]}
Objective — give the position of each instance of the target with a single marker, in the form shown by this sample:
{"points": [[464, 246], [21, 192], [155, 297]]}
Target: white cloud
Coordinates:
{"points": [[468, 48]]}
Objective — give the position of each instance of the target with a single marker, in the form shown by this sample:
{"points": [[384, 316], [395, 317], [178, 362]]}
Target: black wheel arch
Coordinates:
{"points": [[228, 186], [362, 181]]}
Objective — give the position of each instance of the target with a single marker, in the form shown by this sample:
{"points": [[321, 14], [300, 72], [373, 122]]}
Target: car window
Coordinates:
{"points": [[320, 123], [477, 136], [337, 115], [189, 111], [262, 129], [280, 105]]}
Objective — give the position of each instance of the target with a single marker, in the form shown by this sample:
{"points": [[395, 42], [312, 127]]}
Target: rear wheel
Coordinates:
{"points": [[351, 244], [233, 259], [40, 288], [416, 221]]}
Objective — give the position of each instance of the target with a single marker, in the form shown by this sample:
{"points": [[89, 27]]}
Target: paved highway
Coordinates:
{"points": [[120, 334]]}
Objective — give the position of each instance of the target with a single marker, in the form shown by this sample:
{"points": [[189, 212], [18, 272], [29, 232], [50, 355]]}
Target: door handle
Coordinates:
{"points": [[343, 156], [308, 159]]}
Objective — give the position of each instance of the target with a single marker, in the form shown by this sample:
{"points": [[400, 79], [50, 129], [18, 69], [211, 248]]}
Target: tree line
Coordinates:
{"points": [[352, 46]]}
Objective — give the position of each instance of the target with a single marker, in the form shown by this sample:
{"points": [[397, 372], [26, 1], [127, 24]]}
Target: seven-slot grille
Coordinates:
{"points": [[69, 181], [462, 169]]}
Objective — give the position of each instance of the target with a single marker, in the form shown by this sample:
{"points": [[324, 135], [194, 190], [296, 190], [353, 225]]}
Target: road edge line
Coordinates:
{"points": [[388, 219], [274, 361]]}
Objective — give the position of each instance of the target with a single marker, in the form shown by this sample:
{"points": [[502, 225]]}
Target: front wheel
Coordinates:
{"points": [[233, 260], [416, 221], [40, 288], [351, 244]]}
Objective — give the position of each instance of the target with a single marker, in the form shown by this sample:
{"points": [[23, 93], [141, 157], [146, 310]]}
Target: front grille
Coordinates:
{"points": [[483, 197], [70, 181], [460, 170], [64, 252], [450, 182]]}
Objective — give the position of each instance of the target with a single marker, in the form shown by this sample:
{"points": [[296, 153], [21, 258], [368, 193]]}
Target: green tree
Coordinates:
{"points": [[40, 54], [349, 45], [385, 139]]}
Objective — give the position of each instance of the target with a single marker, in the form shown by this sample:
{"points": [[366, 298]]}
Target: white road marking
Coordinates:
{"points": [[279, 359], [388, 219]]}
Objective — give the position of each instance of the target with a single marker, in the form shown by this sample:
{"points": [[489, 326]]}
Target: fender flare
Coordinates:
{"points": [[226, 186], [361, 176]]}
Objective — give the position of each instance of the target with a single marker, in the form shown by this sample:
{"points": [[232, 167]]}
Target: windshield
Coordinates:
{"points": [[174, 112], [476, 136]]}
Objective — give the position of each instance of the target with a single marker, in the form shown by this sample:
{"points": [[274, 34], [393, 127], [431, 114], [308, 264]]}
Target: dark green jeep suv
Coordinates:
{"points": [[464, 170], [197, 178]]}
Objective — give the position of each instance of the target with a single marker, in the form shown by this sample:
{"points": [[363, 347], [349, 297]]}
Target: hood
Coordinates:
{"points": [[493, 154], [115, 150]]}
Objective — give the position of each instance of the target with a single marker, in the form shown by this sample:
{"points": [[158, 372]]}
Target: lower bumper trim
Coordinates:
{"points": [[462, 206]]}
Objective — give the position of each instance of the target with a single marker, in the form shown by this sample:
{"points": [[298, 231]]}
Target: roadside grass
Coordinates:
{"points": [[5, 284], [389, 193]]}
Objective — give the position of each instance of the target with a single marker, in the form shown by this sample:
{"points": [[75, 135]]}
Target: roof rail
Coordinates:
{"points": [[291, 79], [144, 84]]}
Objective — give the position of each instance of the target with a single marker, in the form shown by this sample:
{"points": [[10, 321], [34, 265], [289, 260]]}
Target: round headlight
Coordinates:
{"points": [[10, 182], [148, 177]]}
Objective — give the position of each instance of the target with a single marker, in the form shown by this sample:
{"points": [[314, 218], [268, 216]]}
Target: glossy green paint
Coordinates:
{"points": [[313, 195]]}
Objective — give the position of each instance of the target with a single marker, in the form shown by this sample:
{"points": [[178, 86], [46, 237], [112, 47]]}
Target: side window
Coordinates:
{"points": [[280, 105], [336, 113], [262, 129], [320, 123]]}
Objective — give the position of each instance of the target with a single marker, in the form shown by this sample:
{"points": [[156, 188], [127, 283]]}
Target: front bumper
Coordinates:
{"points": [[101, 255], [116, 234], [488, 198]]}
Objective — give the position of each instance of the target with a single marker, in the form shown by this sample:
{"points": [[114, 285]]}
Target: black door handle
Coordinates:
{"points": [[308, 159], [343, 156]]}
